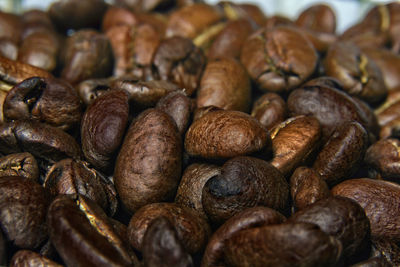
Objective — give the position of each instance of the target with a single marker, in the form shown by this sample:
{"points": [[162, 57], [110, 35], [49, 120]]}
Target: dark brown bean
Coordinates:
{"points": [[89, 90], [387, 250], [244, 182], [226, 134], [270, 110], [20, 164], [28, 258], [148, 167], [103, 127]]}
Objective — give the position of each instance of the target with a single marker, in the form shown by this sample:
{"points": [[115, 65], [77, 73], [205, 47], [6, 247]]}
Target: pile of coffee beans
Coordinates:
{"points": [[179, 133]]}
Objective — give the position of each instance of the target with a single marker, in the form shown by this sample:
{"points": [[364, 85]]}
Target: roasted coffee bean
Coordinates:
{"points": [[162, 247], [41, 140], [118, 16], [273, 68], [342, 218], [387, 250], [226, 134], [230, 40], [342, 155], [330, 106], [276, 245], [90, 89], [178, 60], [144, 95], [71, 177], [82, 235], [383, 159], [380, 201], [270, 109], [146, 5], [234, 11], [87, 54], [8, 49], [359, 74], [76, 14], [31, 259], [20, 164], [307, 187], [10, 26], [192, 230], [190, 189], [179, 107], [23, 208], [148, 167], [3, 249], [389, 110], [293, 142], [319, 18], [244, 182], [200, 112], [103, 127], [50, 100], [215, 89], [247, 219]]}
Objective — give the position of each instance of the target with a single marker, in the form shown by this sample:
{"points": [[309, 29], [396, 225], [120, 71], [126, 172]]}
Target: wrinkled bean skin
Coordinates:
{"points": [[383, 159], [229, 94], [80, 241], [380, 201], [244, 182], [275, 245], [179, 106], [192, 230], [23, 211], [26, 258], [307, 187], [226, 134], [41, 140], [148, 167], [103, 127], [293, 141], [162, 247], [20, 164], [249, 218], [273, 68], [190, 189], [52, 101], [178, 60], [71, 177], [270, 109], [340, 217], [87, 54], [342, 154], [359, 74]]}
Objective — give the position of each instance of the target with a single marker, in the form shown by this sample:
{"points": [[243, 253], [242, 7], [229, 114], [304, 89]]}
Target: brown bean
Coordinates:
{"points": [[270, 110], [30, 259], [319, 18], [20, 164]]}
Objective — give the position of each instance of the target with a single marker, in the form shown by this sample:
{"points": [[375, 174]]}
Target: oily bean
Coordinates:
{"points": [[383, 159], [192, 230], [103, 127], [319, 18], [76, 14], [31, 259], [190, 21], [20, 164], [71, 177], [293, 142], [178, 60], [23, 206], [244, 182], [41, 140], [215, 89], [340, 217], [52, 101], [89, 90], [359, 74], [270, 109], [307, 187], [179, 106], [275, 245], [249, 218], [342, 155], [82, 235], [273, 68], [87, 54], [226, 134], [148, 167], [380, 201], [162, 247], [190, 189]]}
